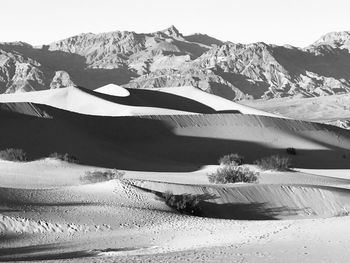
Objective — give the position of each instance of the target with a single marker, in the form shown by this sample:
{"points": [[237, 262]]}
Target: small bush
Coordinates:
{"points": [[16, 155], [64, 157], [185, 203], [274, 162], [231, 159], [232, 174], [342, 212], [101, 176], [291, 151]]}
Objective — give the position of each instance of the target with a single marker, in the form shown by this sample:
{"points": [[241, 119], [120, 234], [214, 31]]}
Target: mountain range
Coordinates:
{"points": [[168, 58]]}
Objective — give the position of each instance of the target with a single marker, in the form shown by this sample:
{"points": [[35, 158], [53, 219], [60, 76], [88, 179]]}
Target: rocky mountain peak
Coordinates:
{"points": [[339, 39], [167, 58], [204, 39], [172, 31]]}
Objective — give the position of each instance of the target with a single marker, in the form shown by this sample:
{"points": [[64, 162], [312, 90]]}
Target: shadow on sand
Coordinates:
{"points": [[202, 205], [243, 211], [51, 252], [40, 252], [141, 143], [153, 98]]}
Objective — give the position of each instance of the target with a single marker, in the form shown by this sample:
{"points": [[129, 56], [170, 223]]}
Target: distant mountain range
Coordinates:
{"points": [[168, 58]]}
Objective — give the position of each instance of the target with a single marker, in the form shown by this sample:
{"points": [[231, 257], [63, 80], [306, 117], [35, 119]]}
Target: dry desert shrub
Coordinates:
{"points": [[274, 162], [231, 159], [232, 174], [64, 157], [291, 151], [101, 176], [185, 203], [15, 155]]}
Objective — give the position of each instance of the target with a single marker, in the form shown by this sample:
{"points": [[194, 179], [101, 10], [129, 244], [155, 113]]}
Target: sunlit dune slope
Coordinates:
{"points": [[113, 100], [213, 101]]}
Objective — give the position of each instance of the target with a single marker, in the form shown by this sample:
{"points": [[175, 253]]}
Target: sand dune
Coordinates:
{"points": [[324, 108], [217, 103], [113, 220], [113, 90], [166, 140], [44, 173], [172, 143], [261, 201], [113, 100], [86, 102]]}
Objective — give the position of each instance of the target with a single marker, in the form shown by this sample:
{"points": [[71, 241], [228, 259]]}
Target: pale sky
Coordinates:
{"points": [[295, 22]]}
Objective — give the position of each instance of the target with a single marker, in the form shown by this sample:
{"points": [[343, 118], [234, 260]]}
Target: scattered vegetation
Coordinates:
{"points": [[291, 151], [101, 176], [11, 154], [232, 174], [274, 162], [231, 159], [342, 212], [185, 203], [64, 157]]}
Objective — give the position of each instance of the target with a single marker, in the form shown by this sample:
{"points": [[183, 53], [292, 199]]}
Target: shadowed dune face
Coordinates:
{"points": [[170, 143], [54, 252], [42, 252], [259, 201], [22, 108], [157, 99]]}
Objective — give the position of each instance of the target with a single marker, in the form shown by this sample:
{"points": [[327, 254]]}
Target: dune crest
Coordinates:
{"points": [[114, 90], [113, 100]]}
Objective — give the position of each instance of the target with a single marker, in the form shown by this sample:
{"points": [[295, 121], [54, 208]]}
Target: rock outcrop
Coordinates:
{"points": [[19, 73]]}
